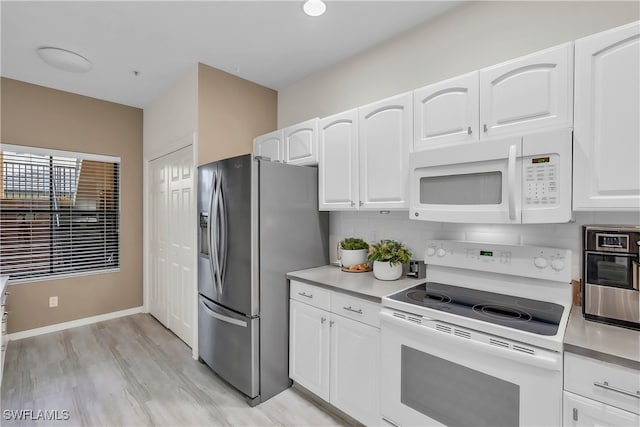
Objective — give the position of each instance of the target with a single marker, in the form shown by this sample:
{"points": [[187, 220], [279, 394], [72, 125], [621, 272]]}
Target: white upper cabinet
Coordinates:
{"points": [[528, 93], [270, 145], [446, 112], [338, 162], [301, 143], [607, 124], [385, 138]]}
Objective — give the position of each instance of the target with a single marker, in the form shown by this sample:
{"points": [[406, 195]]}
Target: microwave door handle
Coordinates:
{"points": [[511, 181]]}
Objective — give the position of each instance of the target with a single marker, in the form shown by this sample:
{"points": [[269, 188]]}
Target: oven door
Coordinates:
{"points": [[477, 182], [438, 374]]}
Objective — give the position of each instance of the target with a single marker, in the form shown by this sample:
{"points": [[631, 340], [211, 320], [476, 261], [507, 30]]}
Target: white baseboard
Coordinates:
{"points": [[73, 323]]}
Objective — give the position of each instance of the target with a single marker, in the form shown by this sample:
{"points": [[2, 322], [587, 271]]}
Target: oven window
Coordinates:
{"points": [[468, 189], [455, 395], [609, 270]]}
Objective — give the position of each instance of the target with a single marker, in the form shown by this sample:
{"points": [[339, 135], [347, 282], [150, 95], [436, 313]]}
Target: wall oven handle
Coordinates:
{"points": [[605, 385], [221, 317], [511, 177]]}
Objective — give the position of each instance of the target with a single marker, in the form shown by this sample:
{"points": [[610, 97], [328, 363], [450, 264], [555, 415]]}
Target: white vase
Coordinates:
{"points": [[353, 257], [383, 270]]}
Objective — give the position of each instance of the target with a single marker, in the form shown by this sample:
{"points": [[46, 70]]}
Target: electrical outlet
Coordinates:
{"points": [[53, 302]]}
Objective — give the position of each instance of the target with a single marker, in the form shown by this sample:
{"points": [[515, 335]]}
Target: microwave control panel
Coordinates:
{"points": [[540, 185]]}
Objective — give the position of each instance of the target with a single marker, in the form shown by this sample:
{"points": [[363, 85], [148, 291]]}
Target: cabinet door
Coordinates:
{"points": [[446, 112], [338, 162], [385, 137], [528, 93], [301, 143], [583, 412], [606, 132], [355, 353], [269, 145], [309, 348]]}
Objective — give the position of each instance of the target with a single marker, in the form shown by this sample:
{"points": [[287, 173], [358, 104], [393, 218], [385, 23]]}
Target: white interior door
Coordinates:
{"points": [[172, 281], [181, 244], [158, 243]]}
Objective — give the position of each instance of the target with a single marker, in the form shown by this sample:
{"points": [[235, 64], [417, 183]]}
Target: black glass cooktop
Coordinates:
{"points": [[538, 317]]}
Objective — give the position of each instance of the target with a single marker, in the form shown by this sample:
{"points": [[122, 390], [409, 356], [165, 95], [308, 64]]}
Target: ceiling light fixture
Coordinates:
{"points": [[314, 7], [65, 60]]}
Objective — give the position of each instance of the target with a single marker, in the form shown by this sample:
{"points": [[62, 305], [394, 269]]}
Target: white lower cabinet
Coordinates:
{"points": [[309, 348], [598, 393], [334, 356], [580, 411]]}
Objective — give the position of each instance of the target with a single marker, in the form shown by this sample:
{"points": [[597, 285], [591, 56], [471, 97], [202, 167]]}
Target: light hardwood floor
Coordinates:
{"points": [[132, 371]]}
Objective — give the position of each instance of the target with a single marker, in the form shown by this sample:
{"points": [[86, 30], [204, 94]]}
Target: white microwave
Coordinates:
{"points": [[516, 180]]}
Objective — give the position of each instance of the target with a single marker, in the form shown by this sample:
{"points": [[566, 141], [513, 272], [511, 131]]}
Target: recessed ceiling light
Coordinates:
{"points": [[314, 7], [65, 60]]}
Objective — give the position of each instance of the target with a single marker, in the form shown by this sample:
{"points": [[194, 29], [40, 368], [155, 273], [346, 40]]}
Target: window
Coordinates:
{"points": [[59, 212]]}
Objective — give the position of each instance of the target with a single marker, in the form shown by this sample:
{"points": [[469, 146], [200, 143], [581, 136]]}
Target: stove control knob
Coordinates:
{"points": [[540, 262], [441, 252], [431, 251], [557, 264]]}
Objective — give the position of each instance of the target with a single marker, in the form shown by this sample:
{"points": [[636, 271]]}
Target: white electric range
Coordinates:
{"points": [[480, 342]]}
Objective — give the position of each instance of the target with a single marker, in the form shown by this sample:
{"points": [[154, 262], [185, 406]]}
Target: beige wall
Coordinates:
{"points": [[231, 112], [172, 117], [41, 117], [469, 37]]}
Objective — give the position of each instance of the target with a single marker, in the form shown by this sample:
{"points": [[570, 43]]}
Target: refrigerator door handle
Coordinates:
{"points": [[209, 231], [214, 257], [222, 317], [222, 248]]}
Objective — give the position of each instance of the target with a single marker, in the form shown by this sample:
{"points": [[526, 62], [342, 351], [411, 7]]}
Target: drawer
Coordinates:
{"points": [[309, 294], [614, 385], [356, 308]]}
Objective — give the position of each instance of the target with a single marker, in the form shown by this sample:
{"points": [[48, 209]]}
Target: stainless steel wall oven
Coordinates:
{"points": [[611, 274]]}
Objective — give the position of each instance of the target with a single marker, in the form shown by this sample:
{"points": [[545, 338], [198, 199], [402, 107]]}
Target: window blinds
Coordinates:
{"points": [[59, 212]]}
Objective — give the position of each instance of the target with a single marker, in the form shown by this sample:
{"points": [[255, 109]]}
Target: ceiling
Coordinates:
{"points": [[272, 43]]}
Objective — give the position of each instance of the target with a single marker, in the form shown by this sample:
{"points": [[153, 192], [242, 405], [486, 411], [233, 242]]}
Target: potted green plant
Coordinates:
{"points": [[388, 257], [353, 251]]}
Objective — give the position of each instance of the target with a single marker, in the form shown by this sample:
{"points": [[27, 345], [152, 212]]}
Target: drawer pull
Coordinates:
{"points": [[304, 294], [359, 311], [605, 385]]}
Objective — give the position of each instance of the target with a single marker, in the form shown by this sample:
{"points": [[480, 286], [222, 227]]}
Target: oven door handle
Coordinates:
{"points": [[545, 359]]}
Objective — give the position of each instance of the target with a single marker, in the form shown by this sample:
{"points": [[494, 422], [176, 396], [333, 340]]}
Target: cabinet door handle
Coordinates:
{"points": [[352, 203], [359, 311], [322, 320], [306, 295], [331, 322], [605, 385], [469, 131], [485, 128], [575, 414], [361, 203]]}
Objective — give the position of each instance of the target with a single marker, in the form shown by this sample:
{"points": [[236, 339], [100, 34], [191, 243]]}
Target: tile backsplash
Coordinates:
{"points": [[374, 226]]}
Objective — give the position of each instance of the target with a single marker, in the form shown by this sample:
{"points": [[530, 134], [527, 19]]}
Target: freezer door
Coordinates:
{"points": [[228, 343]]}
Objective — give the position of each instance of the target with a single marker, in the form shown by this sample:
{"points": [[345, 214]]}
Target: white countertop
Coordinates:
{"points": [[607, 343], [359, 284]]}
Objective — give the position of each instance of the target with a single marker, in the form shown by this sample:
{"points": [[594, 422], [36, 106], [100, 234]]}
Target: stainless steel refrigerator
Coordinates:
{"points": [[258, 220]]}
